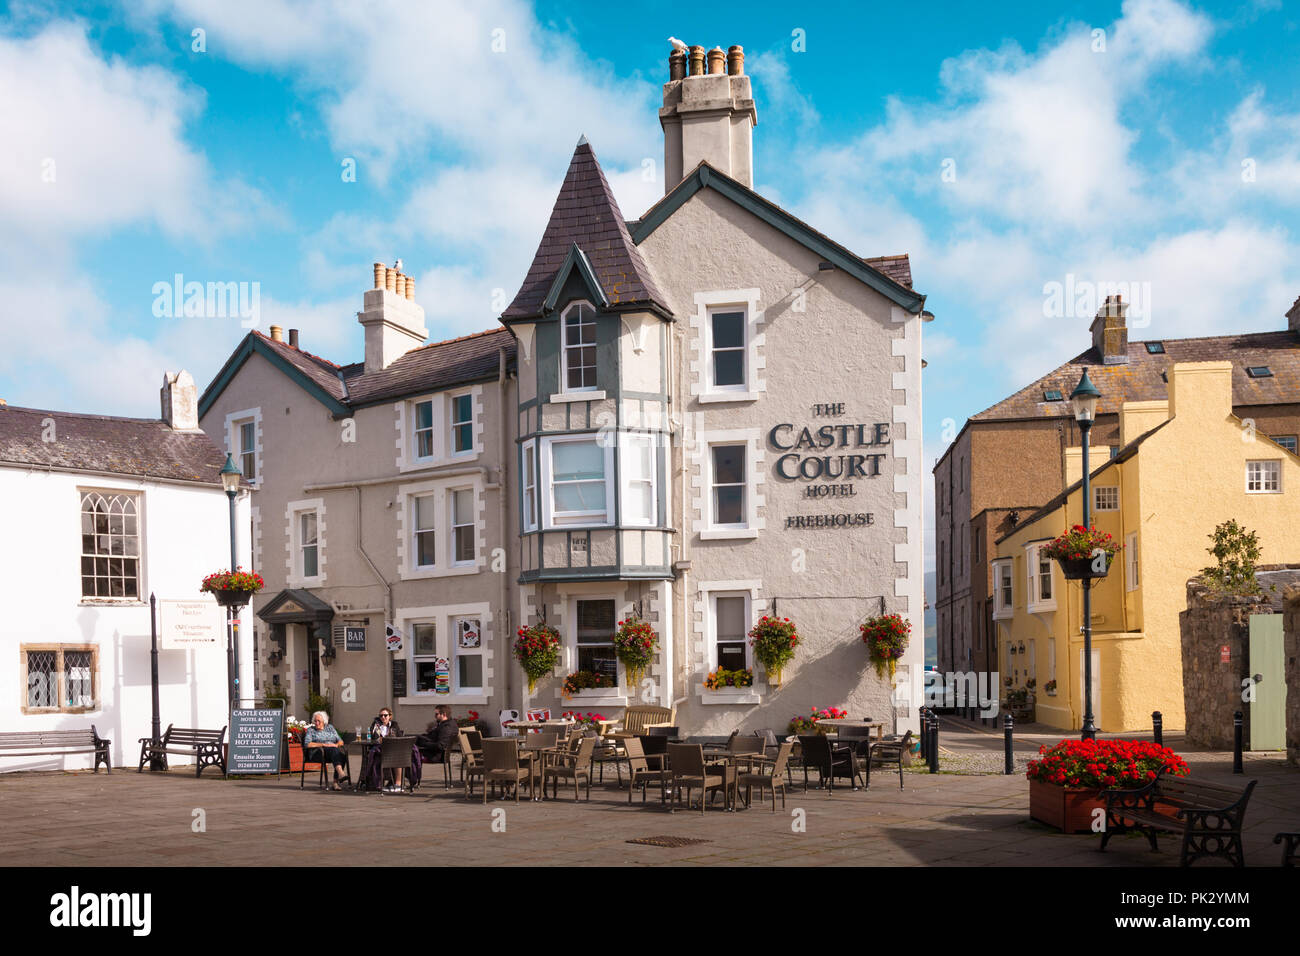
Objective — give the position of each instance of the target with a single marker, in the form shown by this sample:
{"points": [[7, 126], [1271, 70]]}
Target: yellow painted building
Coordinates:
{"points": [[1183, 467]]}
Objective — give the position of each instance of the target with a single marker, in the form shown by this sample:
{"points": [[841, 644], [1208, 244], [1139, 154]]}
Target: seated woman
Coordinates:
{"points": [[383, 726], [321, 743]]}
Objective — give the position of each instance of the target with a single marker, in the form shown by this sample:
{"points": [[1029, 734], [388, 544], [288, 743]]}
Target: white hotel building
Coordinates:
{"points": [[704, 415]]}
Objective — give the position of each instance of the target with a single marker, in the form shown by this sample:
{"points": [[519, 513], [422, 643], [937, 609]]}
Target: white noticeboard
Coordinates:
{"points": [[188, 624]]}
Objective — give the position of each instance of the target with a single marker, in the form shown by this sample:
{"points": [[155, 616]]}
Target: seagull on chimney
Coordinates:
{"points": [[678, 45], [398, 265]]}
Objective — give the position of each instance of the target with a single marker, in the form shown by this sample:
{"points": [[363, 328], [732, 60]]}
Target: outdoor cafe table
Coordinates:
{"points": [[863, 724]]}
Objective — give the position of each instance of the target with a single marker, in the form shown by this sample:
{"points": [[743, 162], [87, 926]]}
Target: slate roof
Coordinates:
{"points": [[436, 366], [1141, 379], [898, 268], [587, 214], [139, 447]]}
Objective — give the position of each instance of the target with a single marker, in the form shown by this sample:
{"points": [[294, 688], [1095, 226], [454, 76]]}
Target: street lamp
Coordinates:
{"points": [[230, 478], [1084, 399]]}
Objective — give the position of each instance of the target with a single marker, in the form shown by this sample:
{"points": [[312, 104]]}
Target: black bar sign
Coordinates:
{"points": [[354, 638], [399, 677]]}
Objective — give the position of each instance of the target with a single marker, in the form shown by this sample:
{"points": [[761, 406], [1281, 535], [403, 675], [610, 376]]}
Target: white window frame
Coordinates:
{"points": [[1033, 574], [440, 489], [713, 486], [530, 484], [746, 301], [432, 430], [443, 617], [627, 442], [108, 495], [453, 526], [413, 505], [300, 521], [1132, 569], [293, 512], [1268, 471], [1112, 498], [565, 347], [712, 349], [453, 424], [233, 422], [1004, 575], [712, 624], [570, 519], [457, 653], [415, 658]]}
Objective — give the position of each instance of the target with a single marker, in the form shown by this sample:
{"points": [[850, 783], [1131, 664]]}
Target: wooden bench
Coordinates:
{"points": [[205, 746], [639, 718], [1208, 816], [43, 743]]}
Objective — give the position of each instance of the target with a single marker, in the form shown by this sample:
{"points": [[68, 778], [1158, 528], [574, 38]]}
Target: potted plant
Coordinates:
{"points": [[635, 643], [800, 724], [1065, 784], [537, 648], [773, 642], [1080, 550], [886, 637], [232, 588], [291, 748], [1050, 687], [587, 724], [586, 680], [723, 678]]}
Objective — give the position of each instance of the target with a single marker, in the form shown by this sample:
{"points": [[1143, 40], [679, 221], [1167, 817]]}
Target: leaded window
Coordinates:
{"points": [[110, 546]]}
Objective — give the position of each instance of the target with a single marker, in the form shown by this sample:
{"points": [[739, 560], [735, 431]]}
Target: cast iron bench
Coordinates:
{"points": [[1208, 816], [37, 743], [205, 746], [1290, 848]]}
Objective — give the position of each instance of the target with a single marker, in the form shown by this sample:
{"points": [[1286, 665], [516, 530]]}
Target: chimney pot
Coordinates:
{"points": [[410, 288], [716, 60], [277, 334], [379, 275], [676, 65], [697, 61], [399, 285], [1110, 331], [390, 279], [736, 60], [293, 338]]}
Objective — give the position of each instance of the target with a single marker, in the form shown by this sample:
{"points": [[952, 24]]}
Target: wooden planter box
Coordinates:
{"points": [[1069, 811]]}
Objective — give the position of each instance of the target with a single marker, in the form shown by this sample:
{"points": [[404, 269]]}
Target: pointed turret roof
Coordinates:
{"points": [[586, 215]]}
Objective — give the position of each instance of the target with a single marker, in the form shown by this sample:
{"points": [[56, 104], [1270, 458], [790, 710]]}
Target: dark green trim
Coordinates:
{"points": [[781, 220], [576, 259], [241, 355]]}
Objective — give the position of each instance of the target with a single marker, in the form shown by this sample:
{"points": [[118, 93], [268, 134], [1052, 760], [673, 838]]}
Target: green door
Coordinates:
{"points": [[1268, 712]]}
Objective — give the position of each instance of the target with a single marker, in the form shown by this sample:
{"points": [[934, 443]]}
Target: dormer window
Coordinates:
{"points": [[579, 329], [1053, 395]]}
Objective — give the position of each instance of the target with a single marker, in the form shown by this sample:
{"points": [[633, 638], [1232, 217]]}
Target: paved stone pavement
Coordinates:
{"points": [[947, 819]]}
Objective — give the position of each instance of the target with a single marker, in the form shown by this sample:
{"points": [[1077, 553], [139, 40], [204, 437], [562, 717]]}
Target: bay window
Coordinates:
{"points": [[579, 476], [594, 637], [638, 465], [530, 486]]}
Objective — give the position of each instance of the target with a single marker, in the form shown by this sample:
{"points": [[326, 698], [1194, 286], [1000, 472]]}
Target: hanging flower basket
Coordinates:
{"points": [[886, 637], [1078, 549], [232, 588], [773, 641], [537, 649], [635, 643]]}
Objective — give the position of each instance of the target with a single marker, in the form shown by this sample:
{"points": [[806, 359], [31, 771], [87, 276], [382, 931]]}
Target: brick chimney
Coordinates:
{"points": [[394, 324], [1110, 333], [180, 401], [708, 116], [1293, 316]]}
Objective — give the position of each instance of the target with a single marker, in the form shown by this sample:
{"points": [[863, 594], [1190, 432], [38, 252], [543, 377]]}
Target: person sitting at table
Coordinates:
{"points": [[436, 743], [381, 727], [321, 743]]}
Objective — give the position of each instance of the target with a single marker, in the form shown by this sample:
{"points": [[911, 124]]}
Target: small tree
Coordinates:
{"points": [[1236, 550]]}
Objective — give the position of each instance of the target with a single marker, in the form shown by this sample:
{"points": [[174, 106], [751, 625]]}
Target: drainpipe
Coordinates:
{"points": [[503, 486], [680, 633], [388, 588]]}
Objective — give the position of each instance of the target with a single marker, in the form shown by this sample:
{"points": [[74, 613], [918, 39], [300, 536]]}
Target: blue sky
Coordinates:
{"points": [[1002, 148]]}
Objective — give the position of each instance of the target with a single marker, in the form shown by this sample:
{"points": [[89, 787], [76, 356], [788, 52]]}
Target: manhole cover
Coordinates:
{"points": [[667, 841]]}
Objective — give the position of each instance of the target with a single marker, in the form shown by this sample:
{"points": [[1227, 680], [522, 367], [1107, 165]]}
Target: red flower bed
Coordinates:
{"points": [[1104, 764]]}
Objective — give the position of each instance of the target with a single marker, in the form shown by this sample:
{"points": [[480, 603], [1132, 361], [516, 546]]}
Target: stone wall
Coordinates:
{"points": [[1291, 652], [1212, 689]]}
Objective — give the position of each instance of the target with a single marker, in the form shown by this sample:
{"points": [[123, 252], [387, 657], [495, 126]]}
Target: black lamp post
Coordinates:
{"points": [[1084, 399], [230, 478]]}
